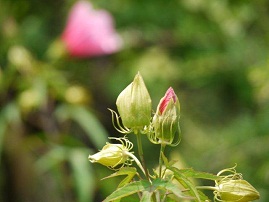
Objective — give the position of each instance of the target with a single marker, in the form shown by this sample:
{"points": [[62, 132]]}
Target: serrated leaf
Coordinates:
{"points": [[175, 190], [186, 183], [129, 171], [189, 172], [168, 186], [128, 189]]}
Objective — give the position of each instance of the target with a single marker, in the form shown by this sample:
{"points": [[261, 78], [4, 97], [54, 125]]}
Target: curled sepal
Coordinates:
{"points": [[233, 187], [114, 156], [116, 123], [173, 142]]}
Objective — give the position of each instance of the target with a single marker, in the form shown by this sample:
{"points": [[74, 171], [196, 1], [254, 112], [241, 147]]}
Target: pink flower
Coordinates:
{"points": [[170, 94], [90, 32]]}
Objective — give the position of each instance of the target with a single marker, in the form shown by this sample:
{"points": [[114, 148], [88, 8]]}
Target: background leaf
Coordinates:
{"points": [[87, 121], [83, 174]]}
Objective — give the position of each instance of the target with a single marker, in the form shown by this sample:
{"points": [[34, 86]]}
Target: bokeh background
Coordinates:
{"points": [[53, 108]]}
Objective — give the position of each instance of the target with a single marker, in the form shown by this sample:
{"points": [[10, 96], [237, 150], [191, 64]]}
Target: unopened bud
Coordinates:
{"points": [[134, 105], [111, 155], [166, 120], [237, 190]]}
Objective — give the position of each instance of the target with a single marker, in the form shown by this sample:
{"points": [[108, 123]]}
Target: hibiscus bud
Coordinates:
{"points": [[111, 155], [166, 120], [134, 105], [237, 190]]}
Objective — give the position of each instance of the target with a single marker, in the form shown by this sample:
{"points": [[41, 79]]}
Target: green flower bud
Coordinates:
{"points": [[134, 105], [111, 155], [237, 190], [166, 120]]}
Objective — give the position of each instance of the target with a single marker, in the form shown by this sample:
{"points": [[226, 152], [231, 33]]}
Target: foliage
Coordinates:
{"points": [[214, 52], [167, 182]]}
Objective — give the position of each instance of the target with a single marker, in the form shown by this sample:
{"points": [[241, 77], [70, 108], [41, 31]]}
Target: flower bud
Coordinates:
{"points": [[111, 155], [237, 190], [134, 105], [166, 120]]}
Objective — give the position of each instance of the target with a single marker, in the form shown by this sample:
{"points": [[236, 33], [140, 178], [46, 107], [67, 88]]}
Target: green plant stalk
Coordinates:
{"points": [[137, 162], [161, 160], [141, 154], [207, 188]]}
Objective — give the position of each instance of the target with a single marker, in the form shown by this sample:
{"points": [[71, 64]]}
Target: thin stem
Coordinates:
{"points": [[161, 160], [207, 187], [137, 162], [141, 154]]}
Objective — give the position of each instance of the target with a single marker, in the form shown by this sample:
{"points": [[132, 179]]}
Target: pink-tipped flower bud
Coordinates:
{"points": [[134, 105], [166, 120]]}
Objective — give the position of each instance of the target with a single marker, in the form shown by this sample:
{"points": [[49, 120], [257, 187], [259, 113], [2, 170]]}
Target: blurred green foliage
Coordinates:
{"points": [[53, 111]]}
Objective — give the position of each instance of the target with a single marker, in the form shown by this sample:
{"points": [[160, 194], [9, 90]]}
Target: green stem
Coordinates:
{"points": [[137, 162], [141, 154], [161, 160], [207, 187]]}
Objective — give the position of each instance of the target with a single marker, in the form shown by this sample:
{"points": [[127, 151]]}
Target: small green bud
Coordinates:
{"points": [[111, 155], [237, 190], [166, 120], [134, 105]]}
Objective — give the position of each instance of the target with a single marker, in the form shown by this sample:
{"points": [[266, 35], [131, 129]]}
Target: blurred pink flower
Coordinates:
{"points": [[90, 32]]}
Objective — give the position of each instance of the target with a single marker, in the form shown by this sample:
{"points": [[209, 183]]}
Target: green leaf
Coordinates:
{"points": [[165, 160], [129, 171], [127, 190], [52, 158], [87, 120], [83, 174], [186, 183], [189, 172], [146, 196], [168, 186]]}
